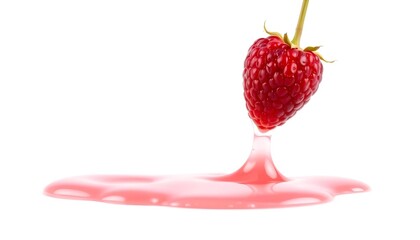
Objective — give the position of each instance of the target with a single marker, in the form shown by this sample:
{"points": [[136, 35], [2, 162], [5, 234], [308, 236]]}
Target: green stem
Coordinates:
{"points": [[299, 27]]}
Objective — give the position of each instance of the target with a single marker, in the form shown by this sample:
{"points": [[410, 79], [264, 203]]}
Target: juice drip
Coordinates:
{"points": [[257, 184]]}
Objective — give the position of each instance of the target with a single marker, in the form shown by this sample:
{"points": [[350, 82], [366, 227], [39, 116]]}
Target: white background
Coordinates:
{"points": [[155, 87]]}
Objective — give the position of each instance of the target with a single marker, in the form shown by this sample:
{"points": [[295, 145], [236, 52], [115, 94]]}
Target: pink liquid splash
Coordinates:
{"points": [[257, 184]]}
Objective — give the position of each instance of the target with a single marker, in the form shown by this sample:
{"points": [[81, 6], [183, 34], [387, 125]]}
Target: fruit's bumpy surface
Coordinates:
{"points": [[278, 81]]}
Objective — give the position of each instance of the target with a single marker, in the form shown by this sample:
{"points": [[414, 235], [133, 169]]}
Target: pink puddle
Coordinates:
{"points": [[257, 184]]}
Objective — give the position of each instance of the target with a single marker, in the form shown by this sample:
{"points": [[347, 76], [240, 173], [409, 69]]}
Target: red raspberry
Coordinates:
{"points": [[278, 81], [280, 77]]}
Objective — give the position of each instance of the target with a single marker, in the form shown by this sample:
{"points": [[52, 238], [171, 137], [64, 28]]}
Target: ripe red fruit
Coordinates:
{"points": [[278, 81], [280, 77]]}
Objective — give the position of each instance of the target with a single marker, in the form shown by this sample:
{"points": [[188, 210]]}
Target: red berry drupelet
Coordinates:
{"points": [[278, 81]]}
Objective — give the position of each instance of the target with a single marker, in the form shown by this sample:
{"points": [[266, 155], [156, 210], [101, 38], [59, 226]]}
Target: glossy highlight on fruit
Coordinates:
{"points": [[278, 81]]}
